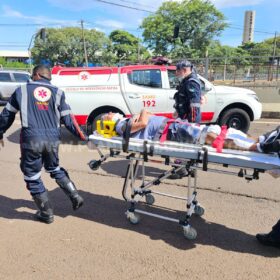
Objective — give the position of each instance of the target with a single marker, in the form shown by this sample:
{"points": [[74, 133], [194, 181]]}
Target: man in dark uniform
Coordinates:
{"points": [[187, 100], [42, 108], [188, 96]]}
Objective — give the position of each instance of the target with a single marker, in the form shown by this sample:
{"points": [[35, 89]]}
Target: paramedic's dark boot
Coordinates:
{"points": [[70, 190], [180, 173], [45, 213], [272, 238]]}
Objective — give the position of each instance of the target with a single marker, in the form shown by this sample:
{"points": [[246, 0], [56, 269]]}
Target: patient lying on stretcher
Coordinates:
{"points": [[150, 127]]}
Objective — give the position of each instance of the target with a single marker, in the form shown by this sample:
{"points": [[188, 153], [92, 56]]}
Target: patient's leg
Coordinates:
{"points": [[230, 144], [210, 137]]}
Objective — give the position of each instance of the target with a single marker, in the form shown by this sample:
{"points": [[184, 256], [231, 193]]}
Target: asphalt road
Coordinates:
{"points": [[97, 242]]}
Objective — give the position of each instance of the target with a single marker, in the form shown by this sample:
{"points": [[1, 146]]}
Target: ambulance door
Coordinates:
{"points": [[144, 88]]}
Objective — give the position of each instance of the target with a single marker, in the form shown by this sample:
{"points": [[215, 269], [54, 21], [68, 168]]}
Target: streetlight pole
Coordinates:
{"points": [[29, 51], [84, 43], [42, 33]]}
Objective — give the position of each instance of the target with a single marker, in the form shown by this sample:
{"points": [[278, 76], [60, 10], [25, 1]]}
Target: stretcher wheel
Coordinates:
{"points": [[94, 164], [133, 217], [150, 199], [189, 232], [199, 210]]}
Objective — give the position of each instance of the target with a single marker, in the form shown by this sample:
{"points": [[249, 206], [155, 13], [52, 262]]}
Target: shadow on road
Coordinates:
{"points": [[109, 211], [116, 167], [66, 137]]}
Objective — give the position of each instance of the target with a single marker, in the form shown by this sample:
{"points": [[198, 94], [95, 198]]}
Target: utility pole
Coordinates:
{"points": [[138, 49], [274, 46], [84, 43], [273, 56]]}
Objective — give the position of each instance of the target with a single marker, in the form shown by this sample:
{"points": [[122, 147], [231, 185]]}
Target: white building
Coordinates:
{"points": [[249, 25], [14, 56]]}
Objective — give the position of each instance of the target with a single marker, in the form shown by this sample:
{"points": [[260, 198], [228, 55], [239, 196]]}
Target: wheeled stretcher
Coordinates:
{"points": [[248, 165]]}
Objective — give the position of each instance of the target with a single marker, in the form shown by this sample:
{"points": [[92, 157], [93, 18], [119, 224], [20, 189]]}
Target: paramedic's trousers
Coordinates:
{"points": [[34, 158]]}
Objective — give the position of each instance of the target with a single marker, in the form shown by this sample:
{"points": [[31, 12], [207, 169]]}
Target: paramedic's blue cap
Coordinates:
{"points": [[183, 64]]}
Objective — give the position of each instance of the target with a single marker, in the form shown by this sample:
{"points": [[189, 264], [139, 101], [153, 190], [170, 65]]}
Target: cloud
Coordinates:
{"points": [[110, 23], [235, 3], [9, 12]]}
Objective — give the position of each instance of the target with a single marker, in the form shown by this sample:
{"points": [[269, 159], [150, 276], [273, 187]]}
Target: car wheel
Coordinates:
{"points": [[236, 118]]}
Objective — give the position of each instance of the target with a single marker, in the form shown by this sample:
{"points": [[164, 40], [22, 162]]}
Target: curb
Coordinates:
{"points": [[271, 115]]}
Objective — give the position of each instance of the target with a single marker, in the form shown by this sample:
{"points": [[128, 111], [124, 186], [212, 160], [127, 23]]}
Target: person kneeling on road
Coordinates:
{"points": [[42, 108]]}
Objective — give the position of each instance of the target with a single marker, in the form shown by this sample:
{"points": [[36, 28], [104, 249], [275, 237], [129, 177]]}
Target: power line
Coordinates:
{"points": [[124, 6], [19, 24], [257, 31], [131, 2]]}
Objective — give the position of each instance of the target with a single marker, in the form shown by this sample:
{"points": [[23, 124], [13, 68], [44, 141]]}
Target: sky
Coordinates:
{"points": [[21, 19]]}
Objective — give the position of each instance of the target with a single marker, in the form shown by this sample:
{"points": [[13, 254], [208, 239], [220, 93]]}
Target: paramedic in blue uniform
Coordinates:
{"points": [[188, 95], [42, 108]]}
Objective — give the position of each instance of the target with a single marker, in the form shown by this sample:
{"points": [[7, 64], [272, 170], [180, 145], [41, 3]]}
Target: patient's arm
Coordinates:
{"points": [[141, 121]]}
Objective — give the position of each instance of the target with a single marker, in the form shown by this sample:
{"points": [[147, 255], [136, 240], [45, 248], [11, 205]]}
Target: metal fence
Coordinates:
{"points": [[264, 70], [260, 70]]}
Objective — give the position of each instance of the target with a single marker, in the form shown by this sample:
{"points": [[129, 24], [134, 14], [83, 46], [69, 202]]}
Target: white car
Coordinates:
{"points": [[9, 81]]}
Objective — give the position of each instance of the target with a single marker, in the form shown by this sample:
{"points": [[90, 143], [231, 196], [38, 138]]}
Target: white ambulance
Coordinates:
{"points": [[93, 91]]}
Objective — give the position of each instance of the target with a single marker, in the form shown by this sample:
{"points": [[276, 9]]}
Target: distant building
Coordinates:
{"points": [[15, 56], [249, 25]]}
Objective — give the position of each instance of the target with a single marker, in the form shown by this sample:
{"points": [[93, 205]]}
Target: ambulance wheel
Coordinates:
{"points": [[236, 118], [94, 164], [199, 210], [150, 199], [189, 232], [133, 217]]}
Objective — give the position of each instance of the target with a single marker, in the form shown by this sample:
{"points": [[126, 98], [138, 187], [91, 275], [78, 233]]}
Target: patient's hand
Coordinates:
{"points": [[135, 118], [253, 148]]}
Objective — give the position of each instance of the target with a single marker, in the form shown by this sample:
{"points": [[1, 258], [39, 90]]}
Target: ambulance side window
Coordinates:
{"points": [[173, 80], [147, 78]]}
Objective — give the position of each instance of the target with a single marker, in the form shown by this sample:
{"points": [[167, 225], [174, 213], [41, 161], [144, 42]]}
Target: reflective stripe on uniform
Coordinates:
{"points": [[65, 113], [33, 178], [195, 104], [24, 110], [10, 108], [53, 170], [57, 104]]}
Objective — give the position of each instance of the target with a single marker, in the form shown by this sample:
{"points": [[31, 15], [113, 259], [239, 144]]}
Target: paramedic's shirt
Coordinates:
{"points": [[150, 130]]}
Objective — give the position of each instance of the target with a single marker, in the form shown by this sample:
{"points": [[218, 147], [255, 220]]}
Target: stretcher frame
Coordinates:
{"points": [[247, 165]]}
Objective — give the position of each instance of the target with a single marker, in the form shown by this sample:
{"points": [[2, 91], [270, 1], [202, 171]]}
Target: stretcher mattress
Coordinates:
{"points": [[243, 159]]}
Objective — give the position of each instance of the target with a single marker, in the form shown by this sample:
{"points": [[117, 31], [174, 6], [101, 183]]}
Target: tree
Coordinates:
{"points": [[198, 20], [65, 46], [127, 47]]}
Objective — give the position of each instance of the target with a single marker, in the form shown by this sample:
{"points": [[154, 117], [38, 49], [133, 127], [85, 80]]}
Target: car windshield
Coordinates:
{"points": [[21, 77]]}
